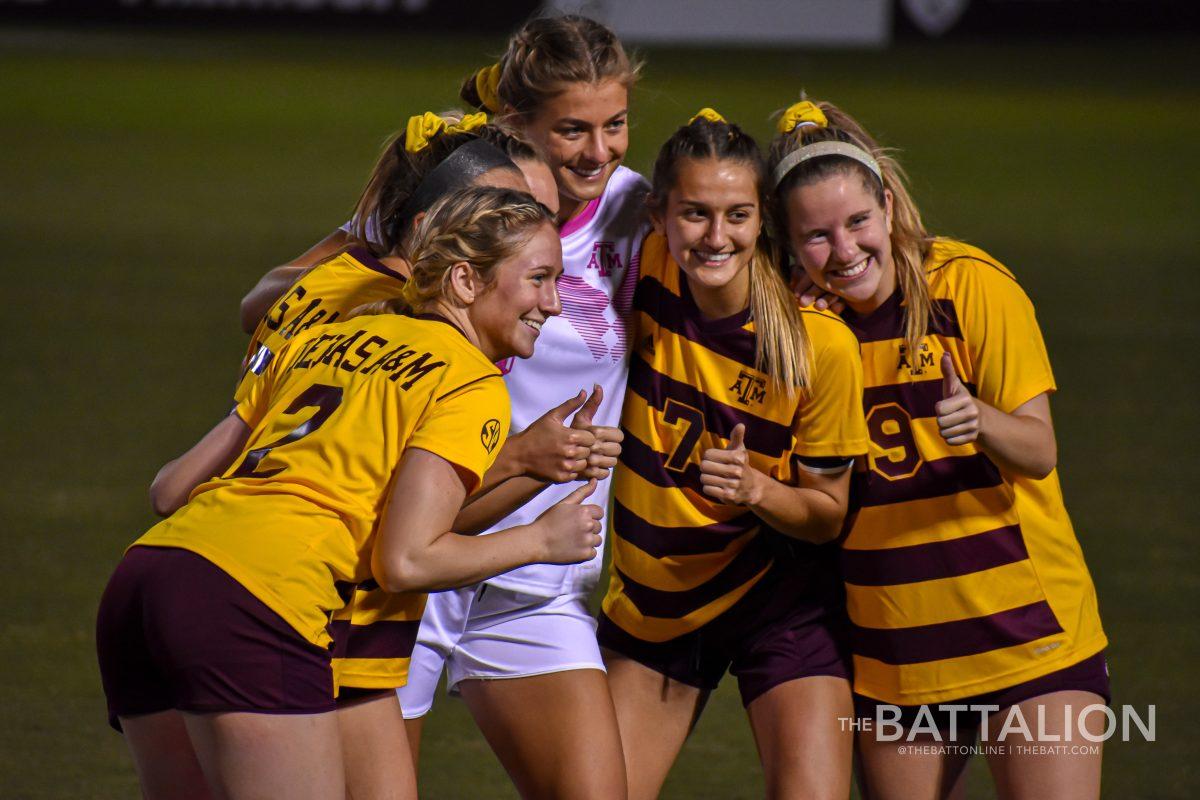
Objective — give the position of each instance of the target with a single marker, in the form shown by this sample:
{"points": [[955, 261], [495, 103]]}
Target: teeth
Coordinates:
{"points": [[718, 258], [587, 173], [533, 323], [852, 272]]}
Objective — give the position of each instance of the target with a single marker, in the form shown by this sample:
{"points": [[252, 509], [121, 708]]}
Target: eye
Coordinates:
{"points": [[571, 132], [859, 219], [813, 237], [693, 214], [616, 124], [739, 216]]}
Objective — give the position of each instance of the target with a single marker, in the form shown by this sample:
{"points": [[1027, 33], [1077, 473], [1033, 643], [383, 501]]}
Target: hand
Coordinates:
{"points": [[727, 475], [812, 295], [604, 452], [549, 450], [957, 412], [570, 529]]}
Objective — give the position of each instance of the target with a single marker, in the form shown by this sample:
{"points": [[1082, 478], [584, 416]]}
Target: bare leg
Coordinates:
{"points": [[555, 734], [1064, 765], [924, 768], [655, 715], [413, 728], [164, 758], [249, 755], [375, 752], [804, 739]]}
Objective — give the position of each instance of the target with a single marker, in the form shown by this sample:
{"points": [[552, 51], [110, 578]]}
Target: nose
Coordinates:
{"points": [[597, 149], [845, 250], [551, 305], [716, 237]]}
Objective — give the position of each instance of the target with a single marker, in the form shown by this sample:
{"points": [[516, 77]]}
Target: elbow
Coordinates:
{"points": [[247, 312], [1042, 467], [826, 532], [399, 574], [162, 501]]}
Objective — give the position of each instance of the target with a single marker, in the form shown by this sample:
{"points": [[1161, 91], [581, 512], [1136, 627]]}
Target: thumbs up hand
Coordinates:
{"points": [[570, 529], [549, 449], [607, 445], [726, 473], [958, 411]]}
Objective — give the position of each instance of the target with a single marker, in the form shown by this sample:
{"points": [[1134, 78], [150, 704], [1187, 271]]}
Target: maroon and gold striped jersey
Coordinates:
{"points": [[680, 558], [960, 579]]}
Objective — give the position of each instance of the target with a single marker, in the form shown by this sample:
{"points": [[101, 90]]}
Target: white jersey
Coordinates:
{"points": [[587, 344]]}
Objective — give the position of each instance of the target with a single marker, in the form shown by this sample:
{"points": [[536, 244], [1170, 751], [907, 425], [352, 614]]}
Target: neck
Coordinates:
{"points": [[568, 209], [457, 316], [723, 301], [396, 264]]}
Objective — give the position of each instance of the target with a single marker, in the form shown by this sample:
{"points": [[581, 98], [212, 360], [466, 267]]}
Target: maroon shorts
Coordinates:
{"points": [[175, 631], [776, 633], [1089, 675]]}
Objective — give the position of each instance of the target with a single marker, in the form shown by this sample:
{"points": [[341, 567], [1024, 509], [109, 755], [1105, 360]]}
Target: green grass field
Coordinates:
{"points": [[149, 178]]}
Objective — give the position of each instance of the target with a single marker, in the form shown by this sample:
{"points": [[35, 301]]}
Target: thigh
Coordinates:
{"points": [[654, 714], [246, 755], [915, 767], [804, 739], [166, 763], [375, 750], [1064, 764], [555, 734]]}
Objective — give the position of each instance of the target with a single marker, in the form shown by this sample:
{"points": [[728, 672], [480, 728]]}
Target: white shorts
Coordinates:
{"points": [[486, 632]]}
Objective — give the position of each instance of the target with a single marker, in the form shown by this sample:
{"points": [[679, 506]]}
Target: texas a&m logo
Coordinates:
{"points": [[749, 388], [923, 361], [605, 258]]}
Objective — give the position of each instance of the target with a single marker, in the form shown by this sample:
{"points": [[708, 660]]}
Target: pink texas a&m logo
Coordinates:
{"points": [[605, 258], [506, 365]]}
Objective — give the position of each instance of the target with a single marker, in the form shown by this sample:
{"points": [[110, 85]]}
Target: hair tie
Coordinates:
{"points": [[805, 114], [487, 82], [708, 114], [468, 123], [421, 129]]}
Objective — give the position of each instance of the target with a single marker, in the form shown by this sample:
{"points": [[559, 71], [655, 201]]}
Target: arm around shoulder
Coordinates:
{"points": [[211, 456]]}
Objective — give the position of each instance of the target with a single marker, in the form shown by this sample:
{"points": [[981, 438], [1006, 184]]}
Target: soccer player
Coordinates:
{"points": [[347, 462], [520, 648], [965, 584], [433, 155], [742, 422]]}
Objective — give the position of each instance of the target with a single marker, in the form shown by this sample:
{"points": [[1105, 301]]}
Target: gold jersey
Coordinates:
{"points": [[960, 579], [679, 557], [294, 518]]}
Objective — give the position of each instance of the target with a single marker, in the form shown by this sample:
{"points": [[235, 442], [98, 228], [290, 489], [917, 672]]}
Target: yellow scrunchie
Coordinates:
{"points": [[424, 127], [799, 114], [708, 114], [487, 81]]}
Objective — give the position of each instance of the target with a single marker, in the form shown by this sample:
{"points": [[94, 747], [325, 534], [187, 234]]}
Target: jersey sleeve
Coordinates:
{"points": [[830, 422], [467, 426], [1008, 359], [250, 399]]}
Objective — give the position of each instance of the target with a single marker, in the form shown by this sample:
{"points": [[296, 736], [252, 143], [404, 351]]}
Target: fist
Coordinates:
{"points": [[726, 474], [570, 529], [958, 411]]}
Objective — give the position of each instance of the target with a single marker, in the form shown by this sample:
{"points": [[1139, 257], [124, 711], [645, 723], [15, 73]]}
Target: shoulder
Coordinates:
{"points": [[622, 212], [828, 333], [952, 265]]}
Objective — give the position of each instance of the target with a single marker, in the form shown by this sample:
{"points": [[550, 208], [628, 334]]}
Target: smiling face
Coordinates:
{"points": [[507, 314], [711, 218], [584, 133], [840, 234]]}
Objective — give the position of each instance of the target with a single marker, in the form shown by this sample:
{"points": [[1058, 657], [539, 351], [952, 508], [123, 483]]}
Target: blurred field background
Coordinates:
{"points": [[149, 177]]}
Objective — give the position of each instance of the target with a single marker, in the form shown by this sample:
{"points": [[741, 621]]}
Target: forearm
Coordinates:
{"points": [[211, 456], [269, 288], [807, 514], [1020, 443], [452, 560], [485, 509]]}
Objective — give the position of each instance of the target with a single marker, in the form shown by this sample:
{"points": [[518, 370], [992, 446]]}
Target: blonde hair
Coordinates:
{"points": [[909, 240], [781, 346], [481, 225], [546, 55]]}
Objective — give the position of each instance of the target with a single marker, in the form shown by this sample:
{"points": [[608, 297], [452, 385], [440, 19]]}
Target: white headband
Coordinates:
{"points": [[818, 149]]}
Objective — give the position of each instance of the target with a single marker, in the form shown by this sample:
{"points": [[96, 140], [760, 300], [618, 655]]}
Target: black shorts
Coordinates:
{"points": [[176, 631], [779, 631], [1089, 675]]}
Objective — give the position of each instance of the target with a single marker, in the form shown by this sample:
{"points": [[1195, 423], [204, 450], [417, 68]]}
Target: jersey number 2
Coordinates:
{"points": [[324, 398]]}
